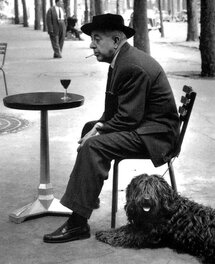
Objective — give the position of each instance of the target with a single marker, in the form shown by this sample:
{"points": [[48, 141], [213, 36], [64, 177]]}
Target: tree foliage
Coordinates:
{"points": [[3, 2]]}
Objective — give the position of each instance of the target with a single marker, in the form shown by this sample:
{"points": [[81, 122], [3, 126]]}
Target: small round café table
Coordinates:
{"points": [[42, 101]]}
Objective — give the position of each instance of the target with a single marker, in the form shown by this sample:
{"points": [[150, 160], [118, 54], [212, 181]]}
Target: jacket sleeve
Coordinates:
{"points": [[131, 89], [49, 21]]}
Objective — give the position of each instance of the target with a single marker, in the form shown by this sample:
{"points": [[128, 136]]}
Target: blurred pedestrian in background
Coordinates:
{"points": [[71, 23], [55, 20]]}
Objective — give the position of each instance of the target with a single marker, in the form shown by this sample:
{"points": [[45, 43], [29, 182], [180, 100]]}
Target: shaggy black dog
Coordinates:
{"points": [[159, 217]]}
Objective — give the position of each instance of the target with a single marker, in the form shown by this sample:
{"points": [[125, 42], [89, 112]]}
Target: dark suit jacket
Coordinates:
{"points": [[52, 21], [140, 99]]}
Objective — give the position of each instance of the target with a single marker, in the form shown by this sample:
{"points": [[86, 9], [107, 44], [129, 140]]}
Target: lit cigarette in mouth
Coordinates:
{"points": [[89, 56]]}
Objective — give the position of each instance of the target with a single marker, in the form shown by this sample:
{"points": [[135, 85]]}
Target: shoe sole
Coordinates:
{"points": [[68, 240]]}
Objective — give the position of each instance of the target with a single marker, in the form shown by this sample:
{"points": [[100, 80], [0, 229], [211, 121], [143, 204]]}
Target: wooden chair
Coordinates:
{"points": [[185, 110], [3, 50]]}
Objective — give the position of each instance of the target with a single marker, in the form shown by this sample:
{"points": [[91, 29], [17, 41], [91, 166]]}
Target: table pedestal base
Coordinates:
{"points": [[45, 204], [37, 209]]}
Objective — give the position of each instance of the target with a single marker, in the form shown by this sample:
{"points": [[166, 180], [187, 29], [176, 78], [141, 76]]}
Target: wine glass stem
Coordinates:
{"points": [[65, 93]]}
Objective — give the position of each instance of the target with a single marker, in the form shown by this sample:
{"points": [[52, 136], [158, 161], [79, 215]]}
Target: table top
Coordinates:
{"points": [[43, 101]]}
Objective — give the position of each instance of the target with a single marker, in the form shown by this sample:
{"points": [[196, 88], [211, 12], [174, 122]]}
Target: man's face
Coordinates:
{"points": [[59, 3], [103, 46]]}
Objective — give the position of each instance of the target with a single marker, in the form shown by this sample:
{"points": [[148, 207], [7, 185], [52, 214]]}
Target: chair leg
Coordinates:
{"points": [[114, 194], [5, 83], [172, 176]]}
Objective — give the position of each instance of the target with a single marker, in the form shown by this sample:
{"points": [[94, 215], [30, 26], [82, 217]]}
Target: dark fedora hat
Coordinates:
{"points": [[108, 22]]}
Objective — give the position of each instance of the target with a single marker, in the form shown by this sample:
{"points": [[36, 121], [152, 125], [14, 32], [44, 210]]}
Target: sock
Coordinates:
{"points": [[76, 220]]}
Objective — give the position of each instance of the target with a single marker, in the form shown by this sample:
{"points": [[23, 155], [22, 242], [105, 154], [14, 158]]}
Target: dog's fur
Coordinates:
{"points": [[159, 217]]}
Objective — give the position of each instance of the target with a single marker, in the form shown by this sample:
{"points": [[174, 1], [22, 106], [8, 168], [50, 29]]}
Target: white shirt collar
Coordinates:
{"points": [[112, 64], [58, 8]]}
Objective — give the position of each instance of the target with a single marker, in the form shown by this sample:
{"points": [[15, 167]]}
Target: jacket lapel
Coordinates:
{"points": [[55, 13], [124, 49]]}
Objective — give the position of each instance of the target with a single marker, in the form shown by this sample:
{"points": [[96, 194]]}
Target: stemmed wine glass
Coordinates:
{"points": [[65, 83]]}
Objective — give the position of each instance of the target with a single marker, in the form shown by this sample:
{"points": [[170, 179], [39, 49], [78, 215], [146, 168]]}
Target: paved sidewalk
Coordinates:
{"points": [[30, 67]]}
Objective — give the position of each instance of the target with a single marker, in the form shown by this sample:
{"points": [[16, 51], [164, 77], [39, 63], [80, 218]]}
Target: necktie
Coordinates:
{"points": [[59, 13], [109, 78]]}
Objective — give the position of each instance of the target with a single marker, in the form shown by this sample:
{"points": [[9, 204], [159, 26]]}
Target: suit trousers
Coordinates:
{"points": [[92, 165], [57, 40]]}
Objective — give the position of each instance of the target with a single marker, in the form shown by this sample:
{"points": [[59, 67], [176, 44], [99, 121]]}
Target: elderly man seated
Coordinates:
{"points": [[140, 117]]}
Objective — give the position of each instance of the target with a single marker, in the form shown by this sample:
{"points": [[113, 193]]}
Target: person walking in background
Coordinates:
{"points": [[71, 22], [55, 20]]}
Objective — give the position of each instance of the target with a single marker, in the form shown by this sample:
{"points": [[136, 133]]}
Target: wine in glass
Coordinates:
{"points": [[65, 83]]}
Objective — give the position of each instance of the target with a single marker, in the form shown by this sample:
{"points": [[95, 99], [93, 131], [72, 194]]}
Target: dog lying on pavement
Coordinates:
{"points": [[159, 217]]}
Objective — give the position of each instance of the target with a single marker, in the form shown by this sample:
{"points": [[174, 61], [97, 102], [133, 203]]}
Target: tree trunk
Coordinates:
{"points": [[117, 7], [75, 8], [67, 7], [207, 38], [128, 4], [169, 4], [173, 10], [51, 2], [192, 20], [98, 7], [92, 9], [44, 15], [161, 18], [25, 16], [16, 11], [38, 9], [141, 37], [86, 12]]}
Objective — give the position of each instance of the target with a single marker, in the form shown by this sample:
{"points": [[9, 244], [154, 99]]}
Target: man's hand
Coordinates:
{"points": [[93, 132]]}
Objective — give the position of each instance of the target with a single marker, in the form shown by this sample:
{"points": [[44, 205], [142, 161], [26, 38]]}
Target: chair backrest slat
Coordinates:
{"points": [[187, 89], [185, 112], [3, 49], [185, 100], [182, 111]]}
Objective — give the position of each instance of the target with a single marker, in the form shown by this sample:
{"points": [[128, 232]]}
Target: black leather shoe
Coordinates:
{"points": [[57, 56], [66, 233]]}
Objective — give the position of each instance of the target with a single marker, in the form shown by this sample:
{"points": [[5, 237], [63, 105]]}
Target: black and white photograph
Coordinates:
{"points": [[107, 142]]}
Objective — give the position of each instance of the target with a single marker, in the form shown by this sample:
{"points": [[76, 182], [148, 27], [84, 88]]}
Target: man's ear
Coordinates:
{"points": [[116, 41]]}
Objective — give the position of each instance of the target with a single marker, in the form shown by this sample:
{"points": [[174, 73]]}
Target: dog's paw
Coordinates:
{"points": [[114, 237], [105, 236]]}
